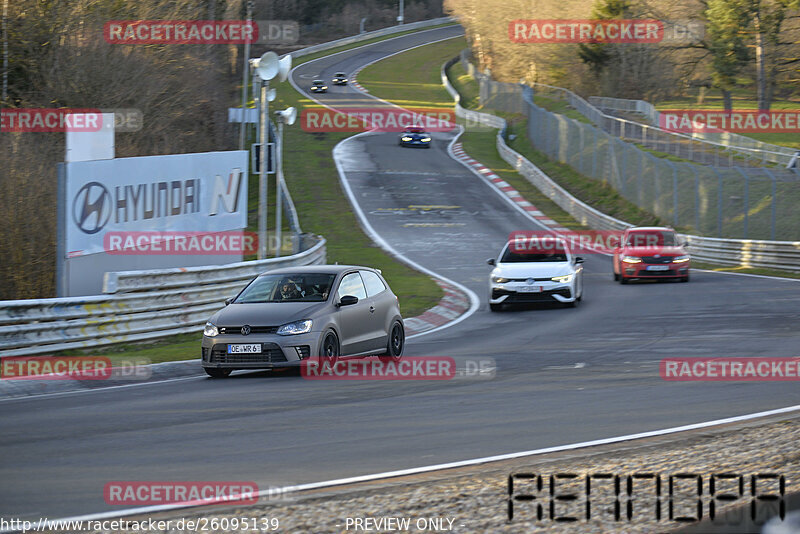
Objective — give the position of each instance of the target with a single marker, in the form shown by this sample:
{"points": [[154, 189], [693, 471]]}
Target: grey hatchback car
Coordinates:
{"points": [[285, 316]]}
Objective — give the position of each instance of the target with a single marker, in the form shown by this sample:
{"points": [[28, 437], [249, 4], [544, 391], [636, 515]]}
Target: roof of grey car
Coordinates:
{"points": [[327, 269]]}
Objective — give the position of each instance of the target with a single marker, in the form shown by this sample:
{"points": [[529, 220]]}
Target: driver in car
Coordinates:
{"points": [[289, 291]]}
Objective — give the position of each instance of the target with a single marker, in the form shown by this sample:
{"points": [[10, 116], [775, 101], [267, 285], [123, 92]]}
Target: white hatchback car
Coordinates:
{"points": [[546, 272]]}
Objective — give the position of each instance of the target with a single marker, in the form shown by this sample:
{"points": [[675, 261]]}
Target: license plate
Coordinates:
{"points": [[658, 267], [252, 348], [530, 289]]}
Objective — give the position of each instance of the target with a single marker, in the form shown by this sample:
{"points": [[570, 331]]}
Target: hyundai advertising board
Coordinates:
{"points": [[149, 212]]}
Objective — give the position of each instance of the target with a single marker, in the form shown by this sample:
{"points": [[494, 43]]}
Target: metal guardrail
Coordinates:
{"points": [[138, 308], [783, 255]]}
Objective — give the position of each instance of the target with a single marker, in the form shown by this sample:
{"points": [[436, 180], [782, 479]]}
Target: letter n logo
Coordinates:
{"points": [[226, 192]]}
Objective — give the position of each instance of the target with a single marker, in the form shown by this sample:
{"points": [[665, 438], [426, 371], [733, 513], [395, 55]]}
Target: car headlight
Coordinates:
{"points": [[210, 330], [681, 259], [499, 280], [426, 139], [406, 139], [565, 279], [324, 86], [631, 259], [298, 327]]}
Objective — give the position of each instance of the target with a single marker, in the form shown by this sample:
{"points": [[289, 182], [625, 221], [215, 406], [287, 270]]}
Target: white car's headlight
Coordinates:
{"points": [[499, 280], [565, 279], [681, 259], [298, 327], [210, 330], [426, 139], [631, 259], [406, 139]]}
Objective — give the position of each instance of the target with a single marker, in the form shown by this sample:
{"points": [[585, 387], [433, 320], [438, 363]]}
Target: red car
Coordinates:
{"points": [[650, 252]]}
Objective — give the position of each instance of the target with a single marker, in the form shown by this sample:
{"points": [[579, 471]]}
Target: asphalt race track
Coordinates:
{"points": [[562, 375]]}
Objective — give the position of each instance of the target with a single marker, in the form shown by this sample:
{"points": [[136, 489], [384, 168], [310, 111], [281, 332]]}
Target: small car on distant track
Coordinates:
{"points": [[340, 78], [652, 252], [288, 315], [415, 136], [545, 272], [318, 86]]}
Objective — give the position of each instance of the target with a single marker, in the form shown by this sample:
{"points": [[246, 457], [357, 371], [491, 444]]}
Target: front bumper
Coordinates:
{"points": [[313, 90], [276, 351], [339, 82], [550, 292], [640, 270], [416, 143]]}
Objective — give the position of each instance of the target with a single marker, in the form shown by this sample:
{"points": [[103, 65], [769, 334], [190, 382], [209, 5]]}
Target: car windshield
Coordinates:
{"points": [[651, 239], [340, 75], [318, 82], [300, 287], [555, 254]]}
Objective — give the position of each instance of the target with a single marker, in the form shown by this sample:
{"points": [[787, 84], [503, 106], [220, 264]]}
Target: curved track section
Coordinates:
{"points": [[562, 375]]}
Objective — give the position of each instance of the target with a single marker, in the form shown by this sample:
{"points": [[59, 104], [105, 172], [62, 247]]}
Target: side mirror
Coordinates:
{"points": [[490, 261], [578, 259], [228, 300], [348, 300]]}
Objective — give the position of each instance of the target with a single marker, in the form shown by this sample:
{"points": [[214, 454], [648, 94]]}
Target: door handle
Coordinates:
{"points": [[372, 309]]}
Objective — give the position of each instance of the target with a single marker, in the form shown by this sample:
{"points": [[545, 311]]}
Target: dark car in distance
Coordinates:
{"points": [[415, 136], [318, 86]]}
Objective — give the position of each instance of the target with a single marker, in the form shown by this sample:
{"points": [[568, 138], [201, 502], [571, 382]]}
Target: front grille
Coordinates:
{"points": [[662, 259], [544, 296], [270, 353], [644, 273], [526, 279], [303, 351], [253, 329]]}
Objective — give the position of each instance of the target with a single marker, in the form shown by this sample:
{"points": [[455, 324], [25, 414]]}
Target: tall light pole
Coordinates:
{"points": [[266, 69], [244, 76], [287, 116], [400, 15]]}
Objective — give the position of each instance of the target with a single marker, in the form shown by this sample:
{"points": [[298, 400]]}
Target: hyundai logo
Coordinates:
{"points": [[91, 207], [246, 330]]}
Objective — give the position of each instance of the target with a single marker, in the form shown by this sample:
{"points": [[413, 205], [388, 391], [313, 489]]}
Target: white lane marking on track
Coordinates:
{"points": [[577, 365]]}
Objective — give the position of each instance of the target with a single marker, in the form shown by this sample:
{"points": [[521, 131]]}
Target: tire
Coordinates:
{"points": [[395, 344], [623, 280], [495, 307], [685, 278], [329, 350], [616, 277], [217, 373]]}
